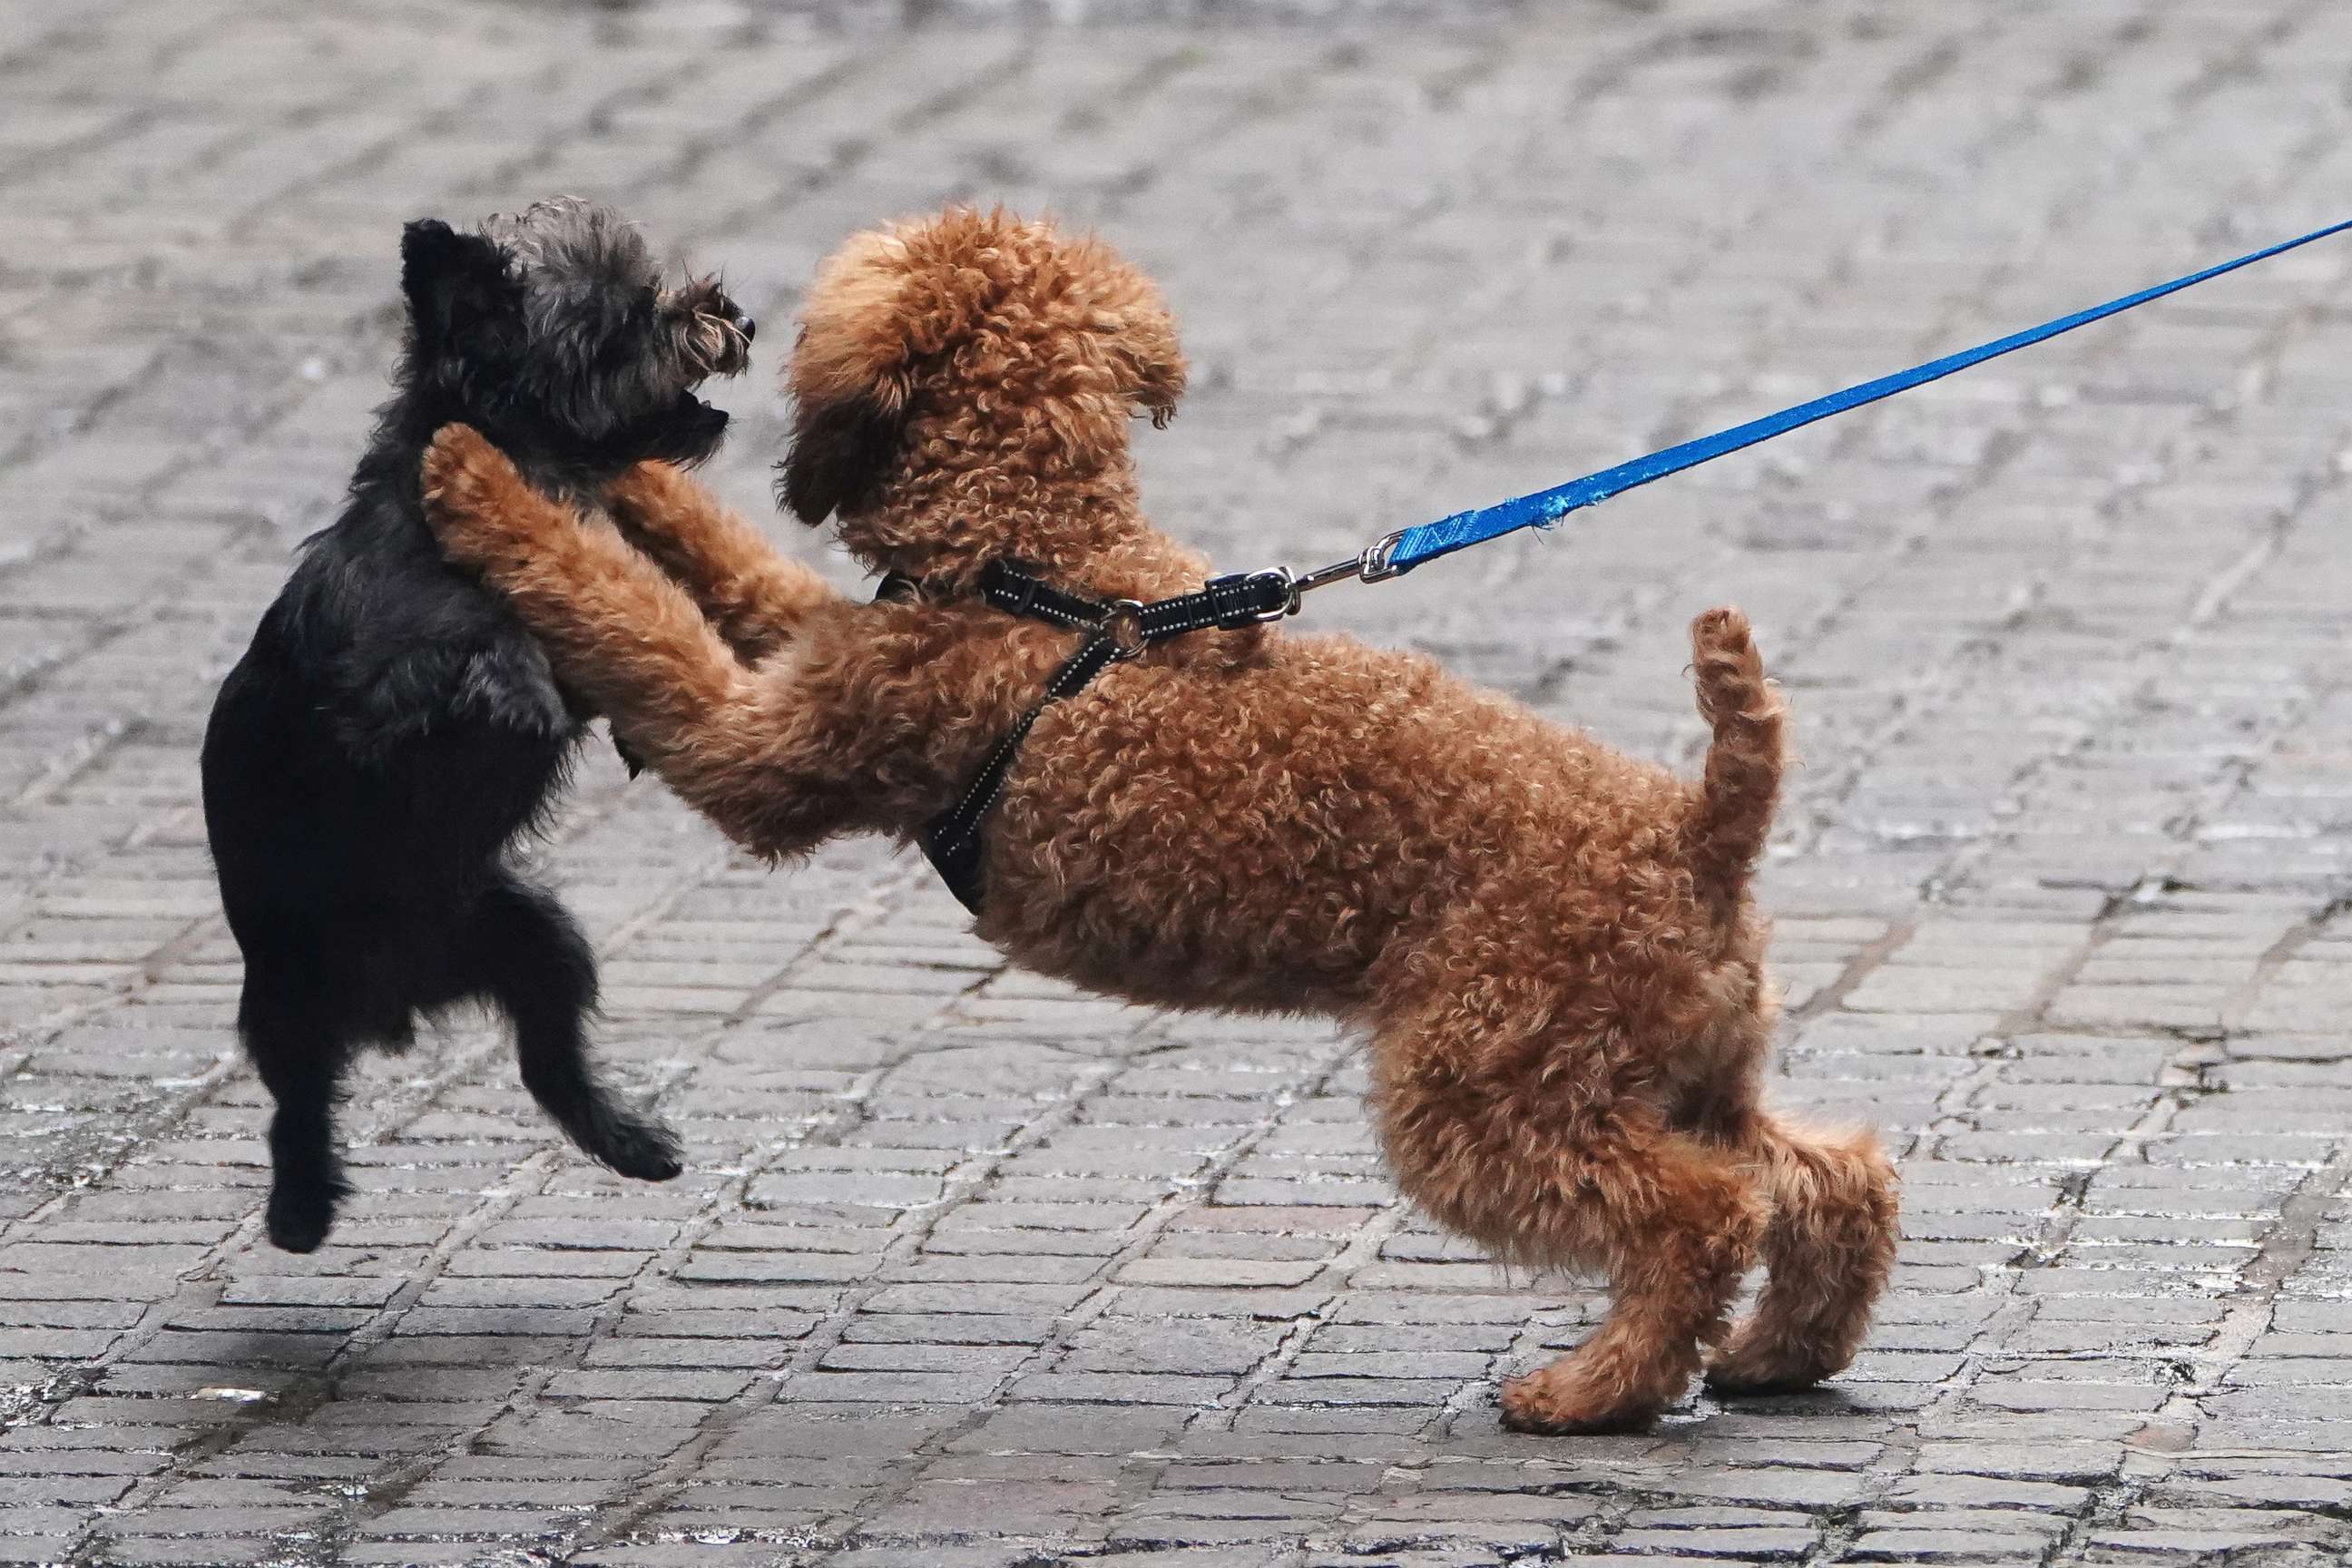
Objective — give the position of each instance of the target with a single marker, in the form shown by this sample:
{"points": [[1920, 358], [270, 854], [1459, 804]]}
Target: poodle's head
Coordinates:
{"points": [[957, 376]]}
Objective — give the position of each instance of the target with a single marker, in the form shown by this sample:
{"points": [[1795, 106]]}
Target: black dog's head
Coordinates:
{"points": [[555, 332]]}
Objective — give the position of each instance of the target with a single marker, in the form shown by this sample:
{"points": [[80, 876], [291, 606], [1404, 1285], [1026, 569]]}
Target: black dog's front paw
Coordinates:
{"points": [[639, 1146], [299, 1217]]}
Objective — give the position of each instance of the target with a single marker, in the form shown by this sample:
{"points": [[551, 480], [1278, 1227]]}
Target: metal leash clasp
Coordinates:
{"points": [[1370, 566]]}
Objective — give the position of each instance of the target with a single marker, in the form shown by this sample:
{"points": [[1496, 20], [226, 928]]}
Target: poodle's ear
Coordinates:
{"points": [[843, 448], [1144, 346], [452, 280], [852, 377], [1159, 379]]}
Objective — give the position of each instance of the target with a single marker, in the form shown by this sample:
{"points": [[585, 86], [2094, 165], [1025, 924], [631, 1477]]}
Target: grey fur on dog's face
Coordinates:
{"points": [[594, 300], [555, 327]]}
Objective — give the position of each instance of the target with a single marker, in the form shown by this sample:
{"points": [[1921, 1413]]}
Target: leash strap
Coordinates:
{"points": [[1413, 546], [1121, 629]]}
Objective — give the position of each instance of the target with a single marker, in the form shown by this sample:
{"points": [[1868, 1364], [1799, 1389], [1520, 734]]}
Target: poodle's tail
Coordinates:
{"points": [[1733, 810]]}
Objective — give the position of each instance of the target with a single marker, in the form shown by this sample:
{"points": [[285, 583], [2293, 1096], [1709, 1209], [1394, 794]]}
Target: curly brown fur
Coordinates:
{"points": [[750, 593], [1550, 945]]}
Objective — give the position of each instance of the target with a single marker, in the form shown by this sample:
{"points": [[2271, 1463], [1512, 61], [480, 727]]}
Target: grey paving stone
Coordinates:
{"points": [[972, 1270]]}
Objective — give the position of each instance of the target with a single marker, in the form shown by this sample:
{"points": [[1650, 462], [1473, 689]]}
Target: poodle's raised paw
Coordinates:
{"points": [[467, 485]]}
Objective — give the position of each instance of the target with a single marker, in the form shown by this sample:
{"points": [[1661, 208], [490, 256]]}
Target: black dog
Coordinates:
{"points": [[393, 730]]}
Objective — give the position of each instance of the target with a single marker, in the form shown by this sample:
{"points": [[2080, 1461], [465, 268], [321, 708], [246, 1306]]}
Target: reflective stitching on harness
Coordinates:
{"points": [[987, 779], [1053, 614]]}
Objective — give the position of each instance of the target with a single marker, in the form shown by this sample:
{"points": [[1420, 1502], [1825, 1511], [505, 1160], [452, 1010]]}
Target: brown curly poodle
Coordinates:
{"points": [[1550, 945]]}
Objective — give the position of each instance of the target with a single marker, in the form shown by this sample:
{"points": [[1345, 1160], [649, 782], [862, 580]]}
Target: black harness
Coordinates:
{"points": [[1115, 631]]}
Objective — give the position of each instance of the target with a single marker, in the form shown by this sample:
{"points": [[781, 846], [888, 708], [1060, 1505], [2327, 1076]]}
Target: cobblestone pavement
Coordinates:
{"points": [[971, 1270]]}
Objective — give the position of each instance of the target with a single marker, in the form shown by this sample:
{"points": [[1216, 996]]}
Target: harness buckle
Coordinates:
{"points": [[1284, 588], [1274, 588]]}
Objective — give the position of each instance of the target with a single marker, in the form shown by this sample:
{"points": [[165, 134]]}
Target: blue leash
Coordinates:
{"points": [[1401, 551]]}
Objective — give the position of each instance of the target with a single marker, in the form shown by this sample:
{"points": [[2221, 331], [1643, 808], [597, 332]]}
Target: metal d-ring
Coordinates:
{"points": [[1122, 626]]}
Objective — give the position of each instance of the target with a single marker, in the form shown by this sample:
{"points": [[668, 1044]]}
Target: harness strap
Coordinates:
{"points": [[1017, 593], [1121, 629], [1226, 602], [952, 840]]}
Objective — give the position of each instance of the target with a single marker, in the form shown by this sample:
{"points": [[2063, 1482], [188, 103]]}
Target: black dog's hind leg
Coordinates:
{"points": [[533, 962], [301, 1058]]}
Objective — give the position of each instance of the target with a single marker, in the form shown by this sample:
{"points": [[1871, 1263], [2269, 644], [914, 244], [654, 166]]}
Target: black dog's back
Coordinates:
{"points": [[377, 661], [393, 730], [388, 733]]}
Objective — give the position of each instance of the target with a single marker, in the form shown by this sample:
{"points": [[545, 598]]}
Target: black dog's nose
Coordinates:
{"points": [[742, 322]]}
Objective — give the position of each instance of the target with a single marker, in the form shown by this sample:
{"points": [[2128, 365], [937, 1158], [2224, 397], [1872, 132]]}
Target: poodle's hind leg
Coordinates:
{"points": [[1545, 1180], [1828, 1248], [1674, 1227]]}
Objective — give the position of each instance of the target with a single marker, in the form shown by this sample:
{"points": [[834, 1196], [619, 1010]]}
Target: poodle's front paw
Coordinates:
{"points": [[1572, 1396], [647, 491], [467, 481]]}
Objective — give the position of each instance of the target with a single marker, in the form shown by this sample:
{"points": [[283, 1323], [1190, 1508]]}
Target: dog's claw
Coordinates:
{"points": [[639, 1147]]}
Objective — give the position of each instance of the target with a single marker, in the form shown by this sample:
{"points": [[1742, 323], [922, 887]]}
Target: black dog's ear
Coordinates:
{"points": [[451, 278], [843, 449]]}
